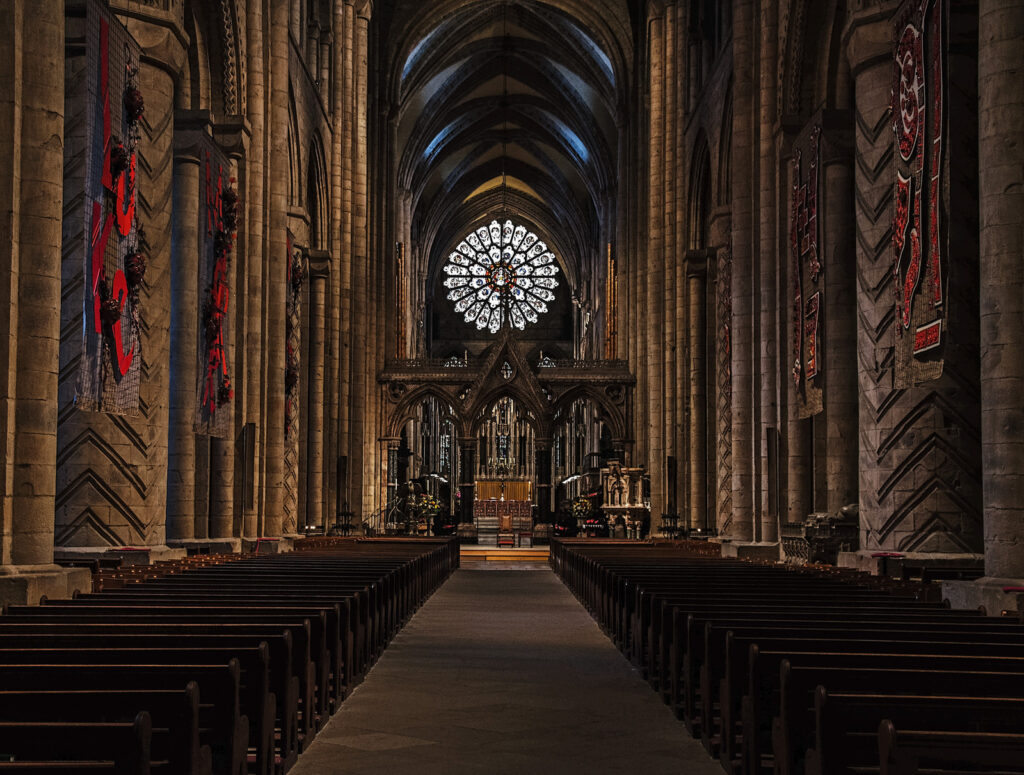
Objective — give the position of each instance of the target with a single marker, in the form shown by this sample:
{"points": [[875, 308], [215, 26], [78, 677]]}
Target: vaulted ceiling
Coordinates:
{"points": [[509, 107]]}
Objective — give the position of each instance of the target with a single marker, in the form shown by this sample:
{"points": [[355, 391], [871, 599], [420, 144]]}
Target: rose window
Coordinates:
{"points": [[501, 274]]}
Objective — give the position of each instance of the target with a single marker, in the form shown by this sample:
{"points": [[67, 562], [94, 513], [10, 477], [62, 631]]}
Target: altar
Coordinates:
{"points": [[503, 511]]}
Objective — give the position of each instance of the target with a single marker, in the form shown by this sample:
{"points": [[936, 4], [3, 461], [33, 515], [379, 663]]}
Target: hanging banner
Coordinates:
{"points": [[218, 219], [293, 309], [918, 110], [115, 261], [808, 290]]}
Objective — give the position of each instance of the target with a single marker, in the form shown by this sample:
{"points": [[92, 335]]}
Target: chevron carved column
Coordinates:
{"points": [[920, 478], [112, 469]]}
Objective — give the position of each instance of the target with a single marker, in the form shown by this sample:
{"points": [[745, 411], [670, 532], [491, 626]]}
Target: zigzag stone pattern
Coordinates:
{"points": [[111, 474], [920, 477]]}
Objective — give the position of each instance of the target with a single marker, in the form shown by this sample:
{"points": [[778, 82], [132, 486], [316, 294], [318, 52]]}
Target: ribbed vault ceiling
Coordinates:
{"points": [[509, 106]]}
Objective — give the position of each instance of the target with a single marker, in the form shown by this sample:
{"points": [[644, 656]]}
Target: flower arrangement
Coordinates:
{"points": [[429, 506]]}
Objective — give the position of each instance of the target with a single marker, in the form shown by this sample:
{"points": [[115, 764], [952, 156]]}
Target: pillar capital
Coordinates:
{"points": [[160, 34], [867, 37]]}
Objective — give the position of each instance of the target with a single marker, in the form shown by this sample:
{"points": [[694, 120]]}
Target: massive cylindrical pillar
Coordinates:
{"points": [[768, 274], [742, 325], [181, 462], [654, 356], [840, 360], [255, 203], [318, 282], [696, 276], [30, 274], [276, 275], [1000, 161]]}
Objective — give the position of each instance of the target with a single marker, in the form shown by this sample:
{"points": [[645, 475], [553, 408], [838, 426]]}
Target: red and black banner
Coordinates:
{"points": [[806, 254], [919, 110], [218, 220], [115, 259]]}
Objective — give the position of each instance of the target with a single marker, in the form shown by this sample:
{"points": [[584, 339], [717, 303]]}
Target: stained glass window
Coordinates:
{"points": [[501, 274]]}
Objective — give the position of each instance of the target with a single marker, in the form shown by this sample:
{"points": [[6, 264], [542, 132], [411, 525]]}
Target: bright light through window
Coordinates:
{"points": [[500, 275]]}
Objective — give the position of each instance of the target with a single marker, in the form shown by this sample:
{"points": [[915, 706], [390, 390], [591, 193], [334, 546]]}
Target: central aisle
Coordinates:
{"points": [[503, 672]]}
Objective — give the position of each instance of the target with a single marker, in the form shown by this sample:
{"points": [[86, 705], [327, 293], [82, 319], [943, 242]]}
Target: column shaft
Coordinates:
{"points": [[32, 243], [277, 273], [181, 464], [315, 428], [1001, 159], [655, 351], [767, 260], [742, 326], [698, 454]]}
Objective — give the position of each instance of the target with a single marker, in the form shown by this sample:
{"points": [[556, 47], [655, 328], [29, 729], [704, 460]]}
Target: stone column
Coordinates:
{"points": [[225, 508], [672, 257], [1001, 159], [467, 476], [680, 224], [277, 256], [112, 470], [185, 268], [362, 449], [840, 355], [742, 326], [337, 304], [919, 481], [254, 201], [798, 431], [346, 265], [768, 272], [32, 124], [318, 282], [542, 465], [696, 276], [654, 358]]}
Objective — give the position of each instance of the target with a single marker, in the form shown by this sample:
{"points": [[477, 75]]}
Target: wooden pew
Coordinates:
{"points": [[906, 751], [257, 699], [117, 747], [789, 696], [174, 715], [70, 631], [727, 686], [222, 725], [846, 724]]}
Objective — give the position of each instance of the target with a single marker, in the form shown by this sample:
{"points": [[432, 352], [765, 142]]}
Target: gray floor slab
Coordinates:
{"points": [[503, 672]]}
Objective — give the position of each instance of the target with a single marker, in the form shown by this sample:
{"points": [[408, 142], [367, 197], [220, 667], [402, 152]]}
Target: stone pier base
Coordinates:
{"points": [[267, 545], [985, 593], [130, 555], [26, 584], [207, 545], [889, 566], [752, 551]]}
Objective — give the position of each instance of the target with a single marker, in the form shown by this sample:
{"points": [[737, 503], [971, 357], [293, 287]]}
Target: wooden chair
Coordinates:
{"points": [[506, 535]]}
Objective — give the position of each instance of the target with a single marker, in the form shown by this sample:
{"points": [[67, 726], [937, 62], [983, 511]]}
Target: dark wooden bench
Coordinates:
{"points": [[265, 710], [71, 632], [775, 712], [728, 680], [174, 716], [846, 724], [48, 746], [222, 725], [907, 751]]}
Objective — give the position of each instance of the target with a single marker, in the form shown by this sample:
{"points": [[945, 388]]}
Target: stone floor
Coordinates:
{"points": [[503, 672]]}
